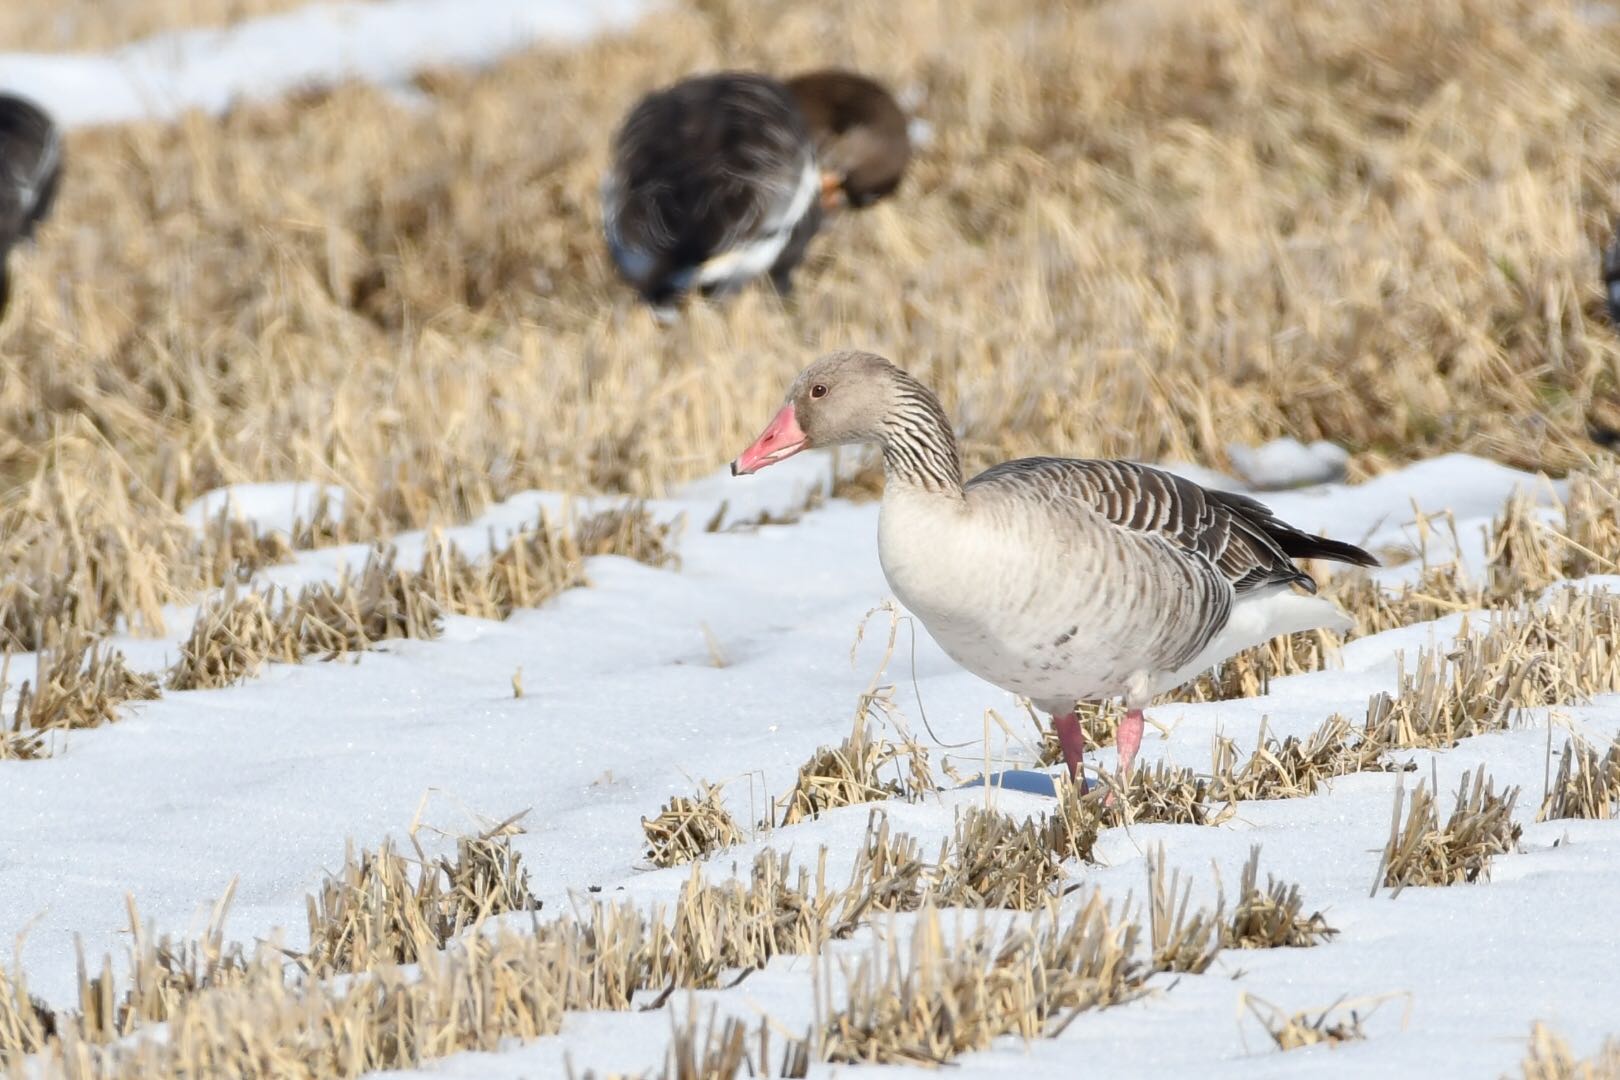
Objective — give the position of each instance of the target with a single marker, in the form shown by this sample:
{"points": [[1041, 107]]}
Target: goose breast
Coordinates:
{"points": [[1042, 596]]}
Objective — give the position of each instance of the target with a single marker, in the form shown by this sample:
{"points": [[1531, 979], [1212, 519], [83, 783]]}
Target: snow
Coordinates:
{"points": [[269, 508], [321, 44], [624, 706], [1287, 462]]}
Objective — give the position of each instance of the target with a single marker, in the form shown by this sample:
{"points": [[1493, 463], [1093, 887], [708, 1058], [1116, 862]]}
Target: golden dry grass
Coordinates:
{"points": [[1188, 939], [1586, 786], [863, 768], [231, 640], [1166, 794], [1142, 229], [707, 1048], [926, 1000], [1561, 651], [1249, 673], [1273, 917], [1423, 851], [79, 684], [385, 908], [690, 828], [995, 861], [1550, 1058], [269, 1012], [1290, 1031], [1293, 767], [1526, 551], [1183, 938]]}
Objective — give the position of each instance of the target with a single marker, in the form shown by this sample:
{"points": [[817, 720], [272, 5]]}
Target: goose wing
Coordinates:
{"points": [[1239, 537]]}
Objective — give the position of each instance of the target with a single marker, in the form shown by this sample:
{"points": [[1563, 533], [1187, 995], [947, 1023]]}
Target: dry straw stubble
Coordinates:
{"points": [[1214, 153], [79, 684], [1361, 223], [236, 633], [714, 1049], [1273, 917], [1293, 767], [1587, 784], [78, 25], [385, 908], [260, 1016], [690, 828], [1549, 1057], [932, 996], [855, 771], [1336, 1024], [1424, 851], [1187, 939]]}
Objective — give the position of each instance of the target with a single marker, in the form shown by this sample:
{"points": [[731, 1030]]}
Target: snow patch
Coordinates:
{"points": [[1287, 462], [319, 45], [273, 507], [626, 703]]}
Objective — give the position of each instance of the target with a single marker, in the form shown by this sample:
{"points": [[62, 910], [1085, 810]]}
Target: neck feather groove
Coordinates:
{"points": [[918, 446]]}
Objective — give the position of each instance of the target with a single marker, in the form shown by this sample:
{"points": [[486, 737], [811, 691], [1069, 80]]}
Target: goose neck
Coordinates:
{"points": [[919, 449]]}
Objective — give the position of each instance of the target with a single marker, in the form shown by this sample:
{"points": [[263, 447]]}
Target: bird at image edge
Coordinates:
{"points": [[30, 168]]}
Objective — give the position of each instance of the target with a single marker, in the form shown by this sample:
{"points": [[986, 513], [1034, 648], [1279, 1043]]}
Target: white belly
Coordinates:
{"points": [[1060, 607], [751, 258], [994, 610]]}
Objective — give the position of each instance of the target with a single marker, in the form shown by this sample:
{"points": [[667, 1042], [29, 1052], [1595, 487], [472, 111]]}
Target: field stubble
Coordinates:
{"points": [[1145, 229]]}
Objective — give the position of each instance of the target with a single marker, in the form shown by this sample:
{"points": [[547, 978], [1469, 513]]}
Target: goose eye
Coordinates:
{"points": [[818, 390]]}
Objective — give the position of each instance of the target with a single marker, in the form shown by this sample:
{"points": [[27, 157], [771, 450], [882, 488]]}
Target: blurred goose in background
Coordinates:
{"points": [[1058, 579], [1611, 277], [30, 166], [862, 147], [1603, 413], [862, 142], [710, 180], [722, 178]]}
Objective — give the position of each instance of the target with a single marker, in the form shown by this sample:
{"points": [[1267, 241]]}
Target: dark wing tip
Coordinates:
{"points": [[1294, 543], [1302, 545]]}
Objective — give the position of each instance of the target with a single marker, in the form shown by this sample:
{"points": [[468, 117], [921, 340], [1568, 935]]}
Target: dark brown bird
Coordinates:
{"points": [[710, 179], [30, 166], [862, 142], [721, 178]]}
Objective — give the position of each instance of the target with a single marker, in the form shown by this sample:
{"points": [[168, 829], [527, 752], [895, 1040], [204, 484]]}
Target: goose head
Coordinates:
{"points": [[842, 398], [860, 135]]}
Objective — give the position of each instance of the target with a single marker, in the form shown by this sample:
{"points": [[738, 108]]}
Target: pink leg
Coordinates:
{"points": [[1128, 739], [1072, 737]]}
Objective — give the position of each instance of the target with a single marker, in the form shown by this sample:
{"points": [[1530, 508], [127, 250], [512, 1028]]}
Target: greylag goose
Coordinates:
{"points": [[1062, 580], [710, 179], [30, 166], [862, 144]]}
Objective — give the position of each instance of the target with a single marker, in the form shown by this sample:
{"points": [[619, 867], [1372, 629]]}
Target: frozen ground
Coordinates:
{"points": [[625, 706], [384, 43]]}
